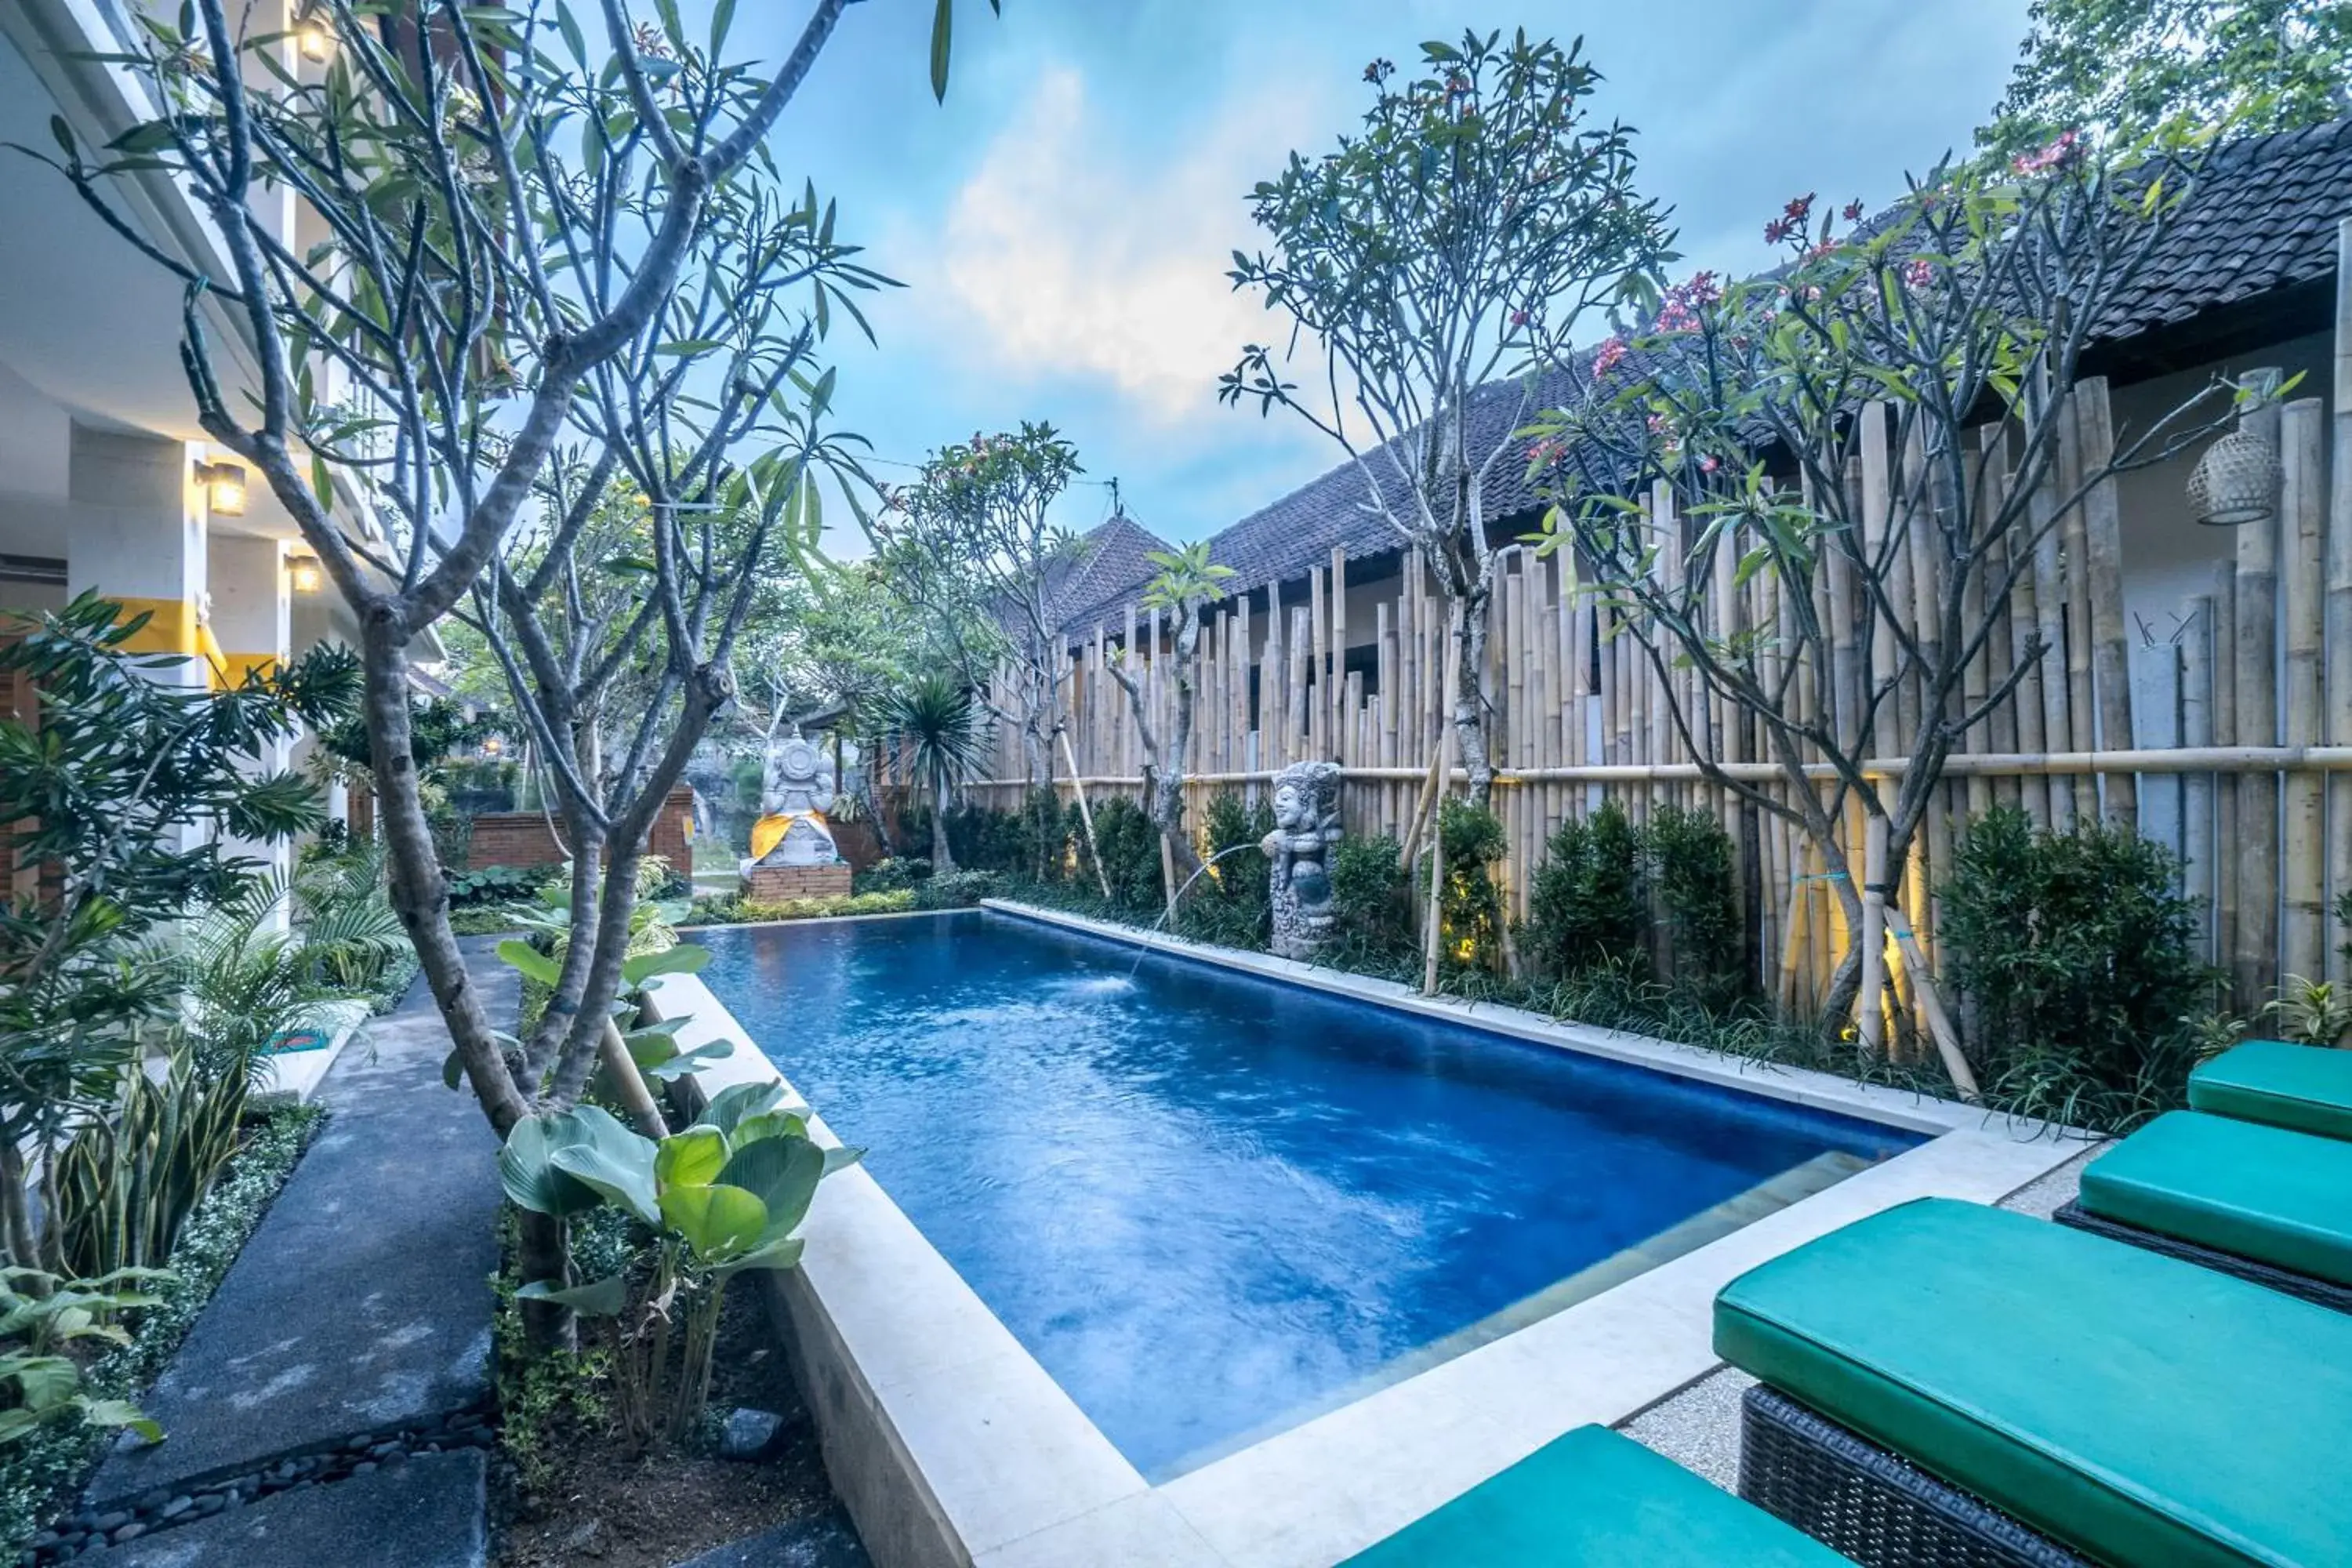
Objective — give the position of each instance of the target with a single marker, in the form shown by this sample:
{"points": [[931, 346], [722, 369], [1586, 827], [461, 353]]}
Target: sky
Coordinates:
{"points": [[1063, 223]]}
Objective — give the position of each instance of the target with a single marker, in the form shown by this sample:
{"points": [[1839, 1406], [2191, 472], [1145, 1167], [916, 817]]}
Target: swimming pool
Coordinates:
{"points": [[1211, 1205]]}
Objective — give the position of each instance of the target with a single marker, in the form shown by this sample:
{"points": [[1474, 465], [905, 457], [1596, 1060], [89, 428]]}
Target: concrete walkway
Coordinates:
{"points": [[354, 1327]]}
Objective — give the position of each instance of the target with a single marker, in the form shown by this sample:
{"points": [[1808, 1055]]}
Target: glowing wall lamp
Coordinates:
{"points": [[304, 573], [313, 35], [224, 486]]}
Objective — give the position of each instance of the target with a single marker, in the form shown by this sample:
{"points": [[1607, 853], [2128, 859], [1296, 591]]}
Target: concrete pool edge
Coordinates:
{"points": [[951, 1446], [1911, 1111]]}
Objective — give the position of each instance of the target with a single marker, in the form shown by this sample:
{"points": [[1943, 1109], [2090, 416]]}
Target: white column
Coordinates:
{"points": [[138, 538], [252, 622]]}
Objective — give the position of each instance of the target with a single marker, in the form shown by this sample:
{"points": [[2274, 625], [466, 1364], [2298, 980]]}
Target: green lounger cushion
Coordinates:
{"points": [[2136, 1408], [1596, 1500], [2307, 1088], [2278, 1198]]}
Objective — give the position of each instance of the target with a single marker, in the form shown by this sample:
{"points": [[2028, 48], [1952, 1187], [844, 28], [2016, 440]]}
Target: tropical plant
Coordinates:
{"points": [[115, 809], [351, 938], [38, 1323], [1458, 239], [1688, 863], [130, 1177], [944, 737], [241, 980], [2311, 1012], [719, 1198]]}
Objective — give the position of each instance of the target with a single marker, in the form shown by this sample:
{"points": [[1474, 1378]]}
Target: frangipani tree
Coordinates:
{"points": [[1186, 581], [970, 547], [527, 238], [1460, 237], [1970, 304]]}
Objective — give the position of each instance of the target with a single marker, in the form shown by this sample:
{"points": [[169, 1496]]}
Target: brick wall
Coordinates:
{"points": [[774, 884], [521, 838]]}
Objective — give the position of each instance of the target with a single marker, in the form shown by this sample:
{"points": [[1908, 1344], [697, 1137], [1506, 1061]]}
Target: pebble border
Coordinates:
{"points": [[87, 1530]]}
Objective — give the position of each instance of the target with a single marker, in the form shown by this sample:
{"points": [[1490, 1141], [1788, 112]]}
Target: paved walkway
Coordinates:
{"points": [[350, 1343]]}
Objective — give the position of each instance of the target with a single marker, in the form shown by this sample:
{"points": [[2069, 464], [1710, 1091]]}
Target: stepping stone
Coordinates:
{"points": [[427, 1513], [362, 1304], [827, 1540]]}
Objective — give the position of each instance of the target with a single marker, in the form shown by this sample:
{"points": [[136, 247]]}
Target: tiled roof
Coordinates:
{"points": [[2261, 218], [1108, 569]]}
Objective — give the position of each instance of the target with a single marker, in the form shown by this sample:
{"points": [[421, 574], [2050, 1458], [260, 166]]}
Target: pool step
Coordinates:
{"points": [[1816, 1175]]}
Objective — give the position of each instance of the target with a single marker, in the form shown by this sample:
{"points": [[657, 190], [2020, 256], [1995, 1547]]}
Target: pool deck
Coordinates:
{"points": [[952, 1447]]}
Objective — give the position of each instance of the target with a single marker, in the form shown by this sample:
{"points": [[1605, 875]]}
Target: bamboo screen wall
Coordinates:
{"points": [[2247, 728]]}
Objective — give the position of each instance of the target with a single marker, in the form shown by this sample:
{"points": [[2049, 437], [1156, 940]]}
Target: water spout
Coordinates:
{"points": [[1153, 929]]}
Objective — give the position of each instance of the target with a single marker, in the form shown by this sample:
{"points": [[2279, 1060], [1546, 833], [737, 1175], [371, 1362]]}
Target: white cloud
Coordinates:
{"points": [[1062, 255]]}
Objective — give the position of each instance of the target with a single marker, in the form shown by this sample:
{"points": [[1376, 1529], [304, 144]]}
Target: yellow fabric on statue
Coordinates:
{"points": [[767, 833]]}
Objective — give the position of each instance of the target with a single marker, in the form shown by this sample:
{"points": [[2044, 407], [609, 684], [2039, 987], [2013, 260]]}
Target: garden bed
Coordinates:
{"points": [[41, 1477], [564, 1491]]}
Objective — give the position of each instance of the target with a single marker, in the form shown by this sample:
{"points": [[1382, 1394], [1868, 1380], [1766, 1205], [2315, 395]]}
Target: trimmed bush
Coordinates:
{"points": [[2077, 964], [1586, 910]]}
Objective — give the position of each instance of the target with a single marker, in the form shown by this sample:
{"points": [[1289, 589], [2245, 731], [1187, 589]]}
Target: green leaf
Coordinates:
{"points": [[842, 1158], [685, 958], [64, 136], [528, 1170], [722, 17], [598, 1298], [690, 1159], [615, 1161], [453, 1069], [718, 1222], [533, 964], [785, 1253], [942, 40], [732, 1104], [782, 1173]]}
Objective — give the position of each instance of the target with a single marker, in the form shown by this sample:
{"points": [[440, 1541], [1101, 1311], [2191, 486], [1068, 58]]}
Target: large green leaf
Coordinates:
{"points": [[685, 958], [781, 1253], [730, 1105], [782, 1173], [690, 1159], [718, 1222], [612, 1159], [533, 964], [598, 1298], [527, 1168]]}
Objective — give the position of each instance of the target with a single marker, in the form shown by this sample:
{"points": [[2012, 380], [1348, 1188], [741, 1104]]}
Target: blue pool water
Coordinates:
{"points": [[1207, 1203]]}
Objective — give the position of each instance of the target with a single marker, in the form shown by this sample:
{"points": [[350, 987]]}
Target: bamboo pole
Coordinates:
{"points": [[2197, 730], [1869, 1005], [2225, 732], [2303, 516], [2073, 528], [2103, 559], [2253, 965], [2340, 595]]}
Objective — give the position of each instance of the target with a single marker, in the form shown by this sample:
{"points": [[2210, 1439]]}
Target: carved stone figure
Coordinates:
{"points": [[797, 788], [1306, 827]]}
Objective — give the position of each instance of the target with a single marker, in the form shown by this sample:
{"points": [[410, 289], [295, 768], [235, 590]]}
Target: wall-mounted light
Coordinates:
{"points": [[492, 746], [314, 35], [224, 486], [305, 573]]}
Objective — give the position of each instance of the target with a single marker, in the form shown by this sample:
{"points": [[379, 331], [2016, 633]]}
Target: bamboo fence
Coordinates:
{"points": [[2247, 731]]}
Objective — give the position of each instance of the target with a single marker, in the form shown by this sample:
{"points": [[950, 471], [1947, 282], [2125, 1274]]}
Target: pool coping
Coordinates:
{"points": [[952, 1447]]}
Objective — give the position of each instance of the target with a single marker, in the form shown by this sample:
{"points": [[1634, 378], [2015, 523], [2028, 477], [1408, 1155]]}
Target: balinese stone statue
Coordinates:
{"points": [[1306, 827], [796, 789]]}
